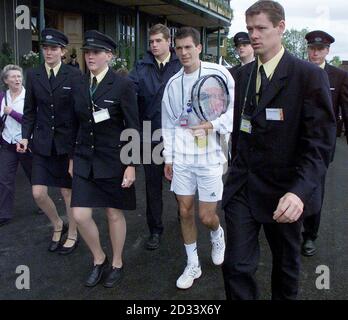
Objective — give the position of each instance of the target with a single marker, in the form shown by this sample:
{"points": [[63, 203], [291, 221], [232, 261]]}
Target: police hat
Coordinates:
{"points": [[53, 37], [241, 37], [319, 38], [95, 40]]}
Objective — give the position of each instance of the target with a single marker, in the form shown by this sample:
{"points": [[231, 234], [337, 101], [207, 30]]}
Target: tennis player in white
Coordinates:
{"points": [[193, 154]]}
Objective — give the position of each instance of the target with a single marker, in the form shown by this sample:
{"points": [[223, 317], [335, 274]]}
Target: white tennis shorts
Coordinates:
{"points": [[208, 180]]}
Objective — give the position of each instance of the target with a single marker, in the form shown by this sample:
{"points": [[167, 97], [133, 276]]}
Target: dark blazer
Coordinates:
{"points": [[233, 70], [283, 156], [339, 89], [98, 145], [149, 83], [48, 111]]}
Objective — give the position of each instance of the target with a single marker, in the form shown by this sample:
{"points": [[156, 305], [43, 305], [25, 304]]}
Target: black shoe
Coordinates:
{"points": [[4, 221], [54, 245], [153, 242], [96, 274], [114, 277], [67, 250], [308, 248]]}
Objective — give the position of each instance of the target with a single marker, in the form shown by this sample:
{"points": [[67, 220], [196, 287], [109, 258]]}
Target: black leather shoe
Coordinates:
{"points": [[4, 221], [153, 242], [54, 245], [96, 274], [308, 248], [67, 250], [114, 277]]}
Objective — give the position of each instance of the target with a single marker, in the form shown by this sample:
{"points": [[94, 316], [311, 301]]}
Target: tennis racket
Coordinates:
{"points": [[210, 97]]}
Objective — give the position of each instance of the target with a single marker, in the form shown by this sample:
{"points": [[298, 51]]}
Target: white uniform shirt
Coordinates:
{"points": [[179, 143], [13, 129]]}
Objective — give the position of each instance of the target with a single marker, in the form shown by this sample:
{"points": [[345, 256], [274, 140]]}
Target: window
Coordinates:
{"points": [[127, 31]]}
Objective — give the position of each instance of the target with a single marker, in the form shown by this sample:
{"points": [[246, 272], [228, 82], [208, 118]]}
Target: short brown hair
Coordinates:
{"points": [[272, 9], [185, 32], [160, 28]]}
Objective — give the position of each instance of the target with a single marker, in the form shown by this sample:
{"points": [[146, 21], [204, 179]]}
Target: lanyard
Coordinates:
{"points": [[248, 88], [182, 85]]}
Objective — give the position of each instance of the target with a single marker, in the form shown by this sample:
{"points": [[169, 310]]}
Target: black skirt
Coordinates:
{"points": [[51, 171], [102, 193]]}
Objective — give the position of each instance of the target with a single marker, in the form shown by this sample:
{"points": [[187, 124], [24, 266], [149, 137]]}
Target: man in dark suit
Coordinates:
{"points": [[150, 76], [244, 49], [48, 110], [318, 48], [287, 134]]}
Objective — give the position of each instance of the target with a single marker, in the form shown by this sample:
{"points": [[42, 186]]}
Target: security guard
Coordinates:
{"points": [[103, 175], [48, 110], [318, 48], [244, 49]]}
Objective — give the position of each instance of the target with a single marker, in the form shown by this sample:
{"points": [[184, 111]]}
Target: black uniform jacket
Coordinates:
{"points": [[233, 70], [48, 112], [284, 156], [339, 89], [98, 145]]}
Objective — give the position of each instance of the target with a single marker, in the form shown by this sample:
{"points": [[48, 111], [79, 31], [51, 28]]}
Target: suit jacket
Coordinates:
{"points": [[283, 156], [98, 145], [339, 90], [48, 112], [149, 84], [233, 70]]}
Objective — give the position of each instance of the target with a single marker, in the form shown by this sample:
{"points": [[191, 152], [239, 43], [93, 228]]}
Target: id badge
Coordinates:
{"points": [[201, 142], [183, 120], [101, 115], [275, 114], [245, 125]]}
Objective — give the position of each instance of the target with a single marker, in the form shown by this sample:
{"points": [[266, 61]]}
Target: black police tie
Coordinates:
{"points": [[94, 85], [52, 77], [264, 81], [161, 66]]}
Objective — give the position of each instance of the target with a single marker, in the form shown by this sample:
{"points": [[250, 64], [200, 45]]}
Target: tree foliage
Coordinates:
{"points": [[294, 41], [232, 56], [336, 61], [6, 55]]}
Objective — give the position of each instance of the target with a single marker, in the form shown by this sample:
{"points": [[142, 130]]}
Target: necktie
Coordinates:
{"points": [[94, 85], [52, 77], [161, 66], [264, 81]]}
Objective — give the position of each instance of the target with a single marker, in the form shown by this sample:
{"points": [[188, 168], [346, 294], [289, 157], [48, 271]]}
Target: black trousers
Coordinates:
{"points": [[311, 221], [243, 252], [9, 160], [153, 182]]}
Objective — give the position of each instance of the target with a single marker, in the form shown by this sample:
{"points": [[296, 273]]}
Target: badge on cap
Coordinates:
{"points": [[49, 37], [90, 40], [318, 39]]}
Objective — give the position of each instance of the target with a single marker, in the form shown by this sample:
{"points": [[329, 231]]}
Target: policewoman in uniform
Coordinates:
{"points": [[318, 47], [105, 105], [48, 110]]}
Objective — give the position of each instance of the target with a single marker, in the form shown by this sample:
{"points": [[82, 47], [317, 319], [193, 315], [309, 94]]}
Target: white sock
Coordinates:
{"points": [[192, 255], [217, 233]]}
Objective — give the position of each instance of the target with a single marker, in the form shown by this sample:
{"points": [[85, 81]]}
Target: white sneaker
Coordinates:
{"points": [[191, 273], [218, 249]]}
